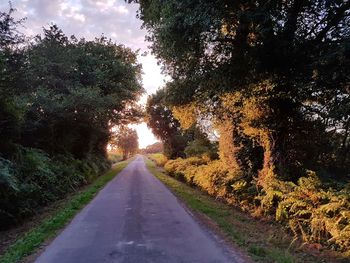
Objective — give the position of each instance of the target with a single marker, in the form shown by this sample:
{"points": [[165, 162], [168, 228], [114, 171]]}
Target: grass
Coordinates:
{"points": [[29, 242], [263, 241]]}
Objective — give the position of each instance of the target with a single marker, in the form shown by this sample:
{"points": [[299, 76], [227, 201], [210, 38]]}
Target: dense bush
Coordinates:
{"points": [[199, 147], [115, 157], [317, 214], [313, 212], [159, 158], [35, 180]]}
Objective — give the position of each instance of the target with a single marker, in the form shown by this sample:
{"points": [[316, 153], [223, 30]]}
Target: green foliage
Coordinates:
{"points": [[163, 124], [11, 81], [201, 146], [196, 148], [59, 97], [35, 180], [81, 89], [114, 157], [271, 77], [29, 242], [6, 175]]}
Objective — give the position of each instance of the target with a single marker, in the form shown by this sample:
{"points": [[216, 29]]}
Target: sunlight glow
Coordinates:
{"points": [[146, 136], [152, 79], [115, 19]]}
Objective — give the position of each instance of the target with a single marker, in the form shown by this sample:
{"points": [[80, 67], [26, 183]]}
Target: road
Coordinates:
{"points": [[136, 219]]}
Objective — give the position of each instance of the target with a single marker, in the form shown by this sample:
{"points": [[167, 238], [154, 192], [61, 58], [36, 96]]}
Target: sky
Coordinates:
{"points": [[114, 19]]}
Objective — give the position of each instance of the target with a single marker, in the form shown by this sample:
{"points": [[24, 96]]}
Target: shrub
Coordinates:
{"points": [[316, 214], [159, 158], [8, 189], [34, 180], [313, 212], [180, 168], [211, 176], [115, 157], [200, 147]]}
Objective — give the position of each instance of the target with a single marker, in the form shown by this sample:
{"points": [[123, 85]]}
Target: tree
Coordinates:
{"points": [[156, 147], [11, 81], [59, 97], [163, 124], [126, 140], [286, 60], [81, 89]]}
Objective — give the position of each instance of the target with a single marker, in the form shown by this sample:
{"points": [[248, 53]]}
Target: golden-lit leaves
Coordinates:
{"points": [[228, 30], [185, 114]]}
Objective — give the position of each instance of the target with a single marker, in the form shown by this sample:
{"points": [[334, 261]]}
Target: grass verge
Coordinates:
{"points": [[263, 241], [29, 242]]}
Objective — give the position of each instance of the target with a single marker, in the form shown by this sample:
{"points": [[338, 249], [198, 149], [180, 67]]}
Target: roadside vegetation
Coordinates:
{"points": [[263, 240], [257, 111], [29, 242], [59, 98], [114, 157]]}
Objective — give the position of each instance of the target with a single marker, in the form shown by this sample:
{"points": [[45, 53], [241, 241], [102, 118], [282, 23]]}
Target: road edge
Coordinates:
{"points": [[29, 244], [208, 224]]}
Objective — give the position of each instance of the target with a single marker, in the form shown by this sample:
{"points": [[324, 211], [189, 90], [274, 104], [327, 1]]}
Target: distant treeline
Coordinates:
{"points": [[156, 147], [59, 96], [271, 81]]}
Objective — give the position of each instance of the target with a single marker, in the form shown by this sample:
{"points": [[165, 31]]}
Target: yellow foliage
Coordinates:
{"points": [[213, 177], [317, 215], [159, 158], [230, 102], [185, 114], [311, 213], [227, 148]]}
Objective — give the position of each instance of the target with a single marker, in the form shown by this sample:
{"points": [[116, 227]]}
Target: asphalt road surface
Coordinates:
{"points": [[136, 219]]}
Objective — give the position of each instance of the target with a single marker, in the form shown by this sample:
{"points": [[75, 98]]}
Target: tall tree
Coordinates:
{"points": [[80, 89], [59, 96], [163, 124], [11, 81], [287, 60]]}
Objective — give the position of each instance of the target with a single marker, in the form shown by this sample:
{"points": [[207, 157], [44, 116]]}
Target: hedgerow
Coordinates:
{"points": [[159, 158], [313, 212], [35, 179]]}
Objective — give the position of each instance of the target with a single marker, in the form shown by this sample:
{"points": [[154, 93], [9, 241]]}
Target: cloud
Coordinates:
{"points": [[89, 19], [114, 19], [83, 18], [121, 10]]}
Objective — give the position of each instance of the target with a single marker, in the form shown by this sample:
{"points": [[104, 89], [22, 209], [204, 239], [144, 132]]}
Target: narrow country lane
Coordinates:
{"points": [[136, 219]]}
